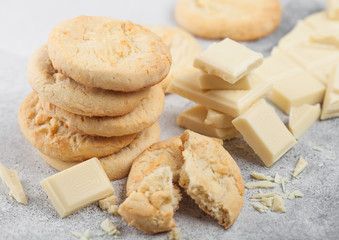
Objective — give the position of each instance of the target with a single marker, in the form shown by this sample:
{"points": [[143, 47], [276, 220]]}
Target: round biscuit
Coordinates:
{"points": [[74, 97], [143, 116], [50, 136], [117, 165], [240, 20], [107, 53]]}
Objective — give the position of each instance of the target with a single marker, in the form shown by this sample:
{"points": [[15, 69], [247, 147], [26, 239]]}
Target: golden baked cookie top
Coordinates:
{"points": [[240, 20], [107, 53]]}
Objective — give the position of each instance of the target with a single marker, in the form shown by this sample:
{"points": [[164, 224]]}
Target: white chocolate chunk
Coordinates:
{"points": [[310, 56], [228, 60], [320, 20], [231, 102], [299, 89], [208, 81], [266, 202], [109, 227], [263, 130], [326, 36], [302, 118], [218, 119], [264, 195], [278, 204], [301, 165], [84, 236], [260, 184], [277, 67], [299, 34], [322, 72], [333, 9], [77, 187], [331, 100], [11, 178], [194, 119], [277, 178], [295, 194], [260, 176], [317, 149], [283, 181], [259, 207]]}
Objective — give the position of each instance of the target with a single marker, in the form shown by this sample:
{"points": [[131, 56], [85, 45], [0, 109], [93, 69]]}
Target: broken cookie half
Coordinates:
{"points": [[151, 207], [211, 177]]}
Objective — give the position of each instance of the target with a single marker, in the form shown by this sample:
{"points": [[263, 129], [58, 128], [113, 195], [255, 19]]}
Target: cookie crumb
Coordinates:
{"points": [[109, 227], [175, 234], [109, 204]]}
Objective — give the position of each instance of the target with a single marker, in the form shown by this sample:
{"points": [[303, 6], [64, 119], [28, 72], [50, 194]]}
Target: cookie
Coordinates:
{"points": [[117, 165], [107, 53], [142, 117], [212, 178], [183, 47], [50, 136], [151, 207], [74, 97], [160, 154], [240, 20]]}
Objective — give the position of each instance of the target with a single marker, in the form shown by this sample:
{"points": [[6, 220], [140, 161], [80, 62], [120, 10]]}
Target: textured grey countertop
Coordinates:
{"points": [[25, 25]]}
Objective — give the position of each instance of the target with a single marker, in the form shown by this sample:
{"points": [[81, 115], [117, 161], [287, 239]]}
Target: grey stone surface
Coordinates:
{"points": [[316, 216]]}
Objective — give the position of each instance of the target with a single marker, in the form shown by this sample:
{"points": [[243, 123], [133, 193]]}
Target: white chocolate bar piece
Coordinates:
{"points": [[331, 100], [322, 73], [77, 187], [302, 118], [11, 178], [194, 118], [231, 102], [218, 119], [263, 130], [320, 20], [310, 56], [208, 81], [326, 36], [301, 88], [277, 67], [278, 204], [228, 60], [299, 34], [301, 165], [333, 9]]}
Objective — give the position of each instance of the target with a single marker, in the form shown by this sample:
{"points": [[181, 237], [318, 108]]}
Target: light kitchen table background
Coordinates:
{"points": [[25, 25]]}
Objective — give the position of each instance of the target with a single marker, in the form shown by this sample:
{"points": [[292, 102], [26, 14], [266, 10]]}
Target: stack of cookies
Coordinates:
{"points": [[96, 93]]}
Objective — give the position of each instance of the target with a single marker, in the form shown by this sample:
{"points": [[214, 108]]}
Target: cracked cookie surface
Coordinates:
{"points": [[107, 53], [50, 136], [143, 116], [68, 94]]}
